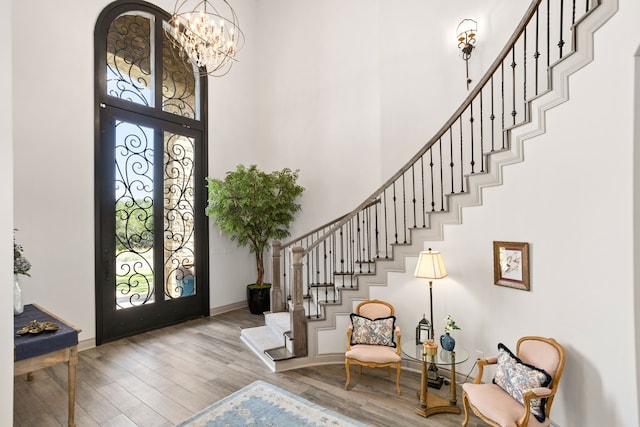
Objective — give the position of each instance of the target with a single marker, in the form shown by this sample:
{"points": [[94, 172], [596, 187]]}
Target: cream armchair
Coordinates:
{"points": [[523, 389], [373, 339]]}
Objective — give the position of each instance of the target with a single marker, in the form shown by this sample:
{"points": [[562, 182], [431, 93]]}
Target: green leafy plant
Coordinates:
{"points": [[254, 207]]}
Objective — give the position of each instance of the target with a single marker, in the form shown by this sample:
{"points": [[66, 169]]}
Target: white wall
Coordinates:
{"points": [[232, 140], [342, 84], [6, 219], [572, 200]]}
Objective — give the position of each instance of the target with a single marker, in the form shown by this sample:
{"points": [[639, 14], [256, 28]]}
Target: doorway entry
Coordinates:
{"points": [[150, 162]]}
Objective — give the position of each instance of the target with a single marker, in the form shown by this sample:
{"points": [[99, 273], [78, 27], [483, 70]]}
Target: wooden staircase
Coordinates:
{"points": [[329, 323]]}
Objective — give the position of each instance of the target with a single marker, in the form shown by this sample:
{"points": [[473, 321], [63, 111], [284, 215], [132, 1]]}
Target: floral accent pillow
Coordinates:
{"points": [[373, 331], [515, 377]]}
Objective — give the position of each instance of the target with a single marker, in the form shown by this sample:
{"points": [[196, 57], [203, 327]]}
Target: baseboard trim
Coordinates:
{"points": [[226, 308], [86, 344]]}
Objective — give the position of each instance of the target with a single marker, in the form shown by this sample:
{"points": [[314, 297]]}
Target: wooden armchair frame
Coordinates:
{"points": [[539, 392], [376, 306]]}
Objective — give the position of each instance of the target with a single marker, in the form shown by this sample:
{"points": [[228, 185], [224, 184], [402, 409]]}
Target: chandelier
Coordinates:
{"points": [[208, 34]]}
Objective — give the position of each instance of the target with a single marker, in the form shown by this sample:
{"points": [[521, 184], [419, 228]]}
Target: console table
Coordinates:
{"points": [[430, 403], [38, 351]]}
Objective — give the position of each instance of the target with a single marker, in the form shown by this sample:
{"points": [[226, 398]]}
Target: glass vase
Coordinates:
{"points": [[18, 306]]}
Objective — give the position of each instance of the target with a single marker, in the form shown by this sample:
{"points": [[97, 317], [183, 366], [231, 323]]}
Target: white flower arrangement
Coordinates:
{"points": [[450, 324], [20, 264]]}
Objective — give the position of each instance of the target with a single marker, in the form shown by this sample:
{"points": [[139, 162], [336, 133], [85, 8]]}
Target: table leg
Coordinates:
{"points": [[423, 385], [453, 400], [73, 362]]}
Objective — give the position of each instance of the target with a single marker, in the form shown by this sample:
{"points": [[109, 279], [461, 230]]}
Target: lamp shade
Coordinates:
{"points": [[467, 29], [430, 265]]}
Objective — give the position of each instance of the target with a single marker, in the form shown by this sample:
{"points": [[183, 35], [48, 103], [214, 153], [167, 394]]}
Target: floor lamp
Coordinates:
{"points": [[431, 266]]}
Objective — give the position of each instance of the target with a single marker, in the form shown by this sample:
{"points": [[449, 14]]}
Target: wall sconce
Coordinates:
{"points": [[466, 32]]}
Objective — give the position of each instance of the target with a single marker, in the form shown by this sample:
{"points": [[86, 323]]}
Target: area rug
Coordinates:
{"points": [[263, 404]]}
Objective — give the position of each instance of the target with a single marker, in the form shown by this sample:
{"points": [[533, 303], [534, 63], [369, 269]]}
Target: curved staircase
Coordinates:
{"points": [[344, 258]]}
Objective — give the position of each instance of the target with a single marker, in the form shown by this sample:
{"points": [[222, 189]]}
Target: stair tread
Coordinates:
{"points": [[280, 322], [262, 337], [280, 353]]}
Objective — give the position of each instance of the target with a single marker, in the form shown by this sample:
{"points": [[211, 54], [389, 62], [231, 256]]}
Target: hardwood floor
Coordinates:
{"points": [[161, 377]]}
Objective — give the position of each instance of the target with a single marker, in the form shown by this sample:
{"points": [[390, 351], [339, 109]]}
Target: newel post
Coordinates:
{"points": [[298, 318], [277, 302]]}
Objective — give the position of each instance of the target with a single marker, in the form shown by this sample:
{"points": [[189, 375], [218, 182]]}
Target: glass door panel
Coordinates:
{"points": [[179, 216], [134, 200]]}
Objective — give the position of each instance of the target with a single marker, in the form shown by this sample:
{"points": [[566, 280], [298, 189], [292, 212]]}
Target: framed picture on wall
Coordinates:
{"points": [[511, 264]]}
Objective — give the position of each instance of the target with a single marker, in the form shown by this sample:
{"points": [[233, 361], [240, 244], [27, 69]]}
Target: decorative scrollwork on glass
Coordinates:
{"points": [[129, 53], [134, 272], [179, 81], [179, 216]]}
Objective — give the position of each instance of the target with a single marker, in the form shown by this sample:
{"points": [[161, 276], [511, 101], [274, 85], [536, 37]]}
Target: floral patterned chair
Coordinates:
{"points": [[373, 339], [523, 388]]}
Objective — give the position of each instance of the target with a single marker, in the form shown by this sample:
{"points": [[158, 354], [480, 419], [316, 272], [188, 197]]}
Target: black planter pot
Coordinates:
{"points": [[259, 299]]}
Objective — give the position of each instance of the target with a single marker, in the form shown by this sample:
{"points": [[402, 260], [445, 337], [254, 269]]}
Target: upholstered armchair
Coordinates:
{"points": [[523, 388], [373, 339]]}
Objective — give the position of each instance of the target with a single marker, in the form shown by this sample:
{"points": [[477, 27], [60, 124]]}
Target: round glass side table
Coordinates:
{"points": [[429, 402]]}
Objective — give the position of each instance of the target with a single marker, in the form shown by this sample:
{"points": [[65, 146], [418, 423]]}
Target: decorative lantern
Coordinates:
{"points": [[423, 331]]}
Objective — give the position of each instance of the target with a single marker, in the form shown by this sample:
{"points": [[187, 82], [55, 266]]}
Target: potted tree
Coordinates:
{"points": [[253, 207]]}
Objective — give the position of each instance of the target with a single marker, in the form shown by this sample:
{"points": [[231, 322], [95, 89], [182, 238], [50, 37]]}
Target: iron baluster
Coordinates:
{"points": [[536, 55], [524, 82], [502, 101], [548, 34], [317, 268], [325, 284], [424, 219], [352, 249], [441, 177], [492, 117], [342, 249], [404, 209], [325, 260], [481, 135], [513, 84], [357, 244], [413, 199], [471, 119], [461, 158], [451, 163], [433, 203], [369, 257], [395, 214], [333, 259], [561, 41], [377, 234], [386, 226], [363, 235]]}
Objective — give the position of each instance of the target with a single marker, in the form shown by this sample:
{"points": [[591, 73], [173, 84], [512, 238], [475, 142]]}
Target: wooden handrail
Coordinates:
{"points": [[355, 240], [322, 227]]}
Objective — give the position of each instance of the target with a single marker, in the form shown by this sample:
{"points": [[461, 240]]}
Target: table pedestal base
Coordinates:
{"points": [[437, 405]]}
